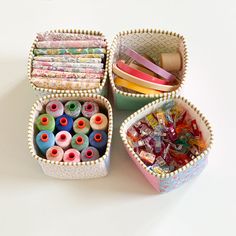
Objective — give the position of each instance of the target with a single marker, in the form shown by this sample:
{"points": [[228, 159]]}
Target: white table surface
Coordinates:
{"points": [[123, 203]]}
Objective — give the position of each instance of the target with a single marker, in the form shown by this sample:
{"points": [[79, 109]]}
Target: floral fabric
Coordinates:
{"points": [[62, 51], [71, 44], [47, 36]]}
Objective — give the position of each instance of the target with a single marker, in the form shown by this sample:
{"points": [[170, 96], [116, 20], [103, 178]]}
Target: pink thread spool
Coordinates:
{"points": [[55, 108], [71, 155], [55, 153], [63, 139]]}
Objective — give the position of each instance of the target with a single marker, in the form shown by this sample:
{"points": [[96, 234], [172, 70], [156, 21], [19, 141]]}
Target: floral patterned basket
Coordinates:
{"points": [[102, 89], [168, 181], [71, 170], [151, 43]]}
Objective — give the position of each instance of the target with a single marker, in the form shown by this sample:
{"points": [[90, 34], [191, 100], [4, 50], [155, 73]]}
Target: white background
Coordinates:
{"points": [[123, 203]]}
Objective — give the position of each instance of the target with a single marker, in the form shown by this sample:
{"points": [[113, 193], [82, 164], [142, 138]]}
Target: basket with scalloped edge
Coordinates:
{"points": [[151, 43], [167, 181], [71, 170], [102, 89]]}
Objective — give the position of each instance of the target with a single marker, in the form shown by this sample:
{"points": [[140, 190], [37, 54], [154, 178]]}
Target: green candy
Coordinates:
{"points": [[45, 122], [80, 141]]}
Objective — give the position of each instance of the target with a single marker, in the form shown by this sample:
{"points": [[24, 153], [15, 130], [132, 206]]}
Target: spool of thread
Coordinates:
{"points": [[89, 154], [55, 153], [171, 61], [55, 108], [63, 139], [45, 122], [73, 108], [80, 141], [99, 122], [89, 109], [98, 139], [64, 122], [71, 155], [81, 125], [44, 140]]}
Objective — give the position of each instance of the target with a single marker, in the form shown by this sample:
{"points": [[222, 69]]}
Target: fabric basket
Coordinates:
{"points": [[68, 170], [102, 90], [151, 43], [168, 181]]}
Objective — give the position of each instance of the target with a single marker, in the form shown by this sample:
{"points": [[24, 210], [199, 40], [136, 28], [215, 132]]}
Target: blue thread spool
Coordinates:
{"points": [[89, 154], [98, 139], [44, 140], [80, 141], [64, 122]]}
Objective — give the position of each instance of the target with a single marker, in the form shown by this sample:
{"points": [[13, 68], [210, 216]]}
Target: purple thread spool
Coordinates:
{"points": [[89, 154]]}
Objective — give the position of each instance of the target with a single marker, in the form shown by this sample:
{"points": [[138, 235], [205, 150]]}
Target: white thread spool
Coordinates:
{"points": [[99, 121], [55, 153], [63, 139]]}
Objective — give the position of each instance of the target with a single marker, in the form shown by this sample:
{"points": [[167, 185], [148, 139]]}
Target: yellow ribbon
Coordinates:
{"points": [[134, 87]]}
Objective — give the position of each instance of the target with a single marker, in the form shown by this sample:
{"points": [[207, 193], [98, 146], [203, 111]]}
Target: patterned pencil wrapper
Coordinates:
{"points": [[71, 44], [65, 83], [61, 74], [69, 64], [46, 36], [62, 51], [66, 58]]}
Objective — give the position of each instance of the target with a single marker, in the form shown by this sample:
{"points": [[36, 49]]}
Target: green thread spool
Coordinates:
{"points": [[73, 108], [81, 125], [80, 141], [45, 122]]}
